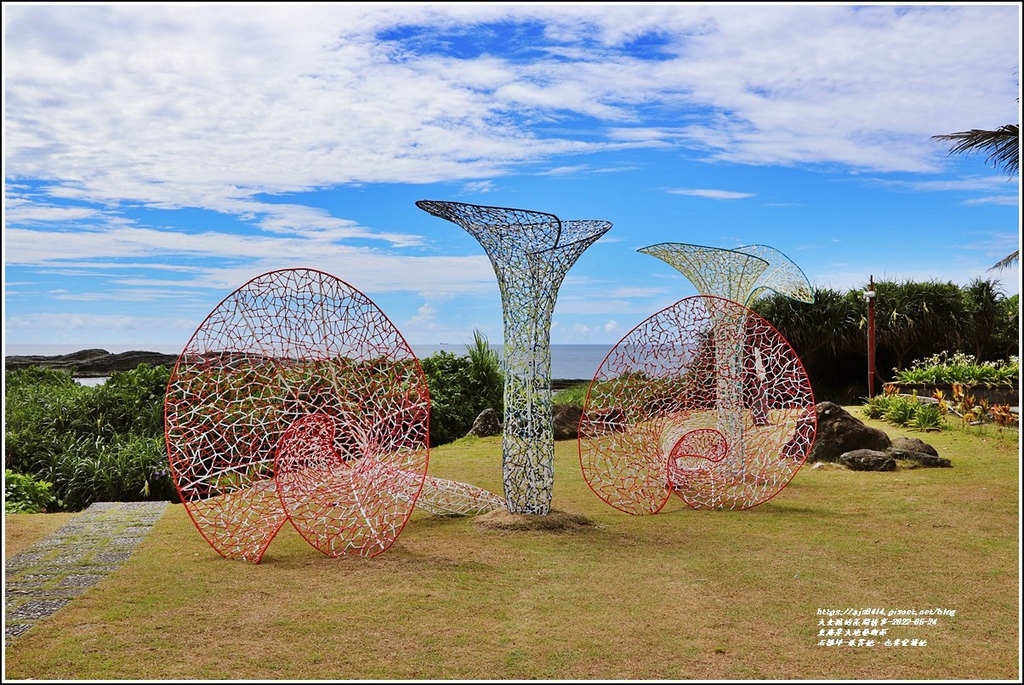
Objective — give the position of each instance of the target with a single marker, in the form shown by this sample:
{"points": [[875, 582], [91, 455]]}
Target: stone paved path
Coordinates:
{"points": [[55, 570]]}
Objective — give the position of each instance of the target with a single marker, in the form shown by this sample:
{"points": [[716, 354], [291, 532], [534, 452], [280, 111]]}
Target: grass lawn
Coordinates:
{"points": [[679, 595]]}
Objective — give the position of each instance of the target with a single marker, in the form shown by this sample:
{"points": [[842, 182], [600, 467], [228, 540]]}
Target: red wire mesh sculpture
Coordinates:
{"points": [[297, 399], [654, 420]]}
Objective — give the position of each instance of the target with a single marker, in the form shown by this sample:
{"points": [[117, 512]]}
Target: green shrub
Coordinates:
{"points": [[486, 378], [451, 406], [900, 410], [874, 407], [92, 443], [25, 495], [132, 401], [130, 468], [38, 376], [927, 417], [44, 410], [575, 394], [906, 411], [461, 387]]}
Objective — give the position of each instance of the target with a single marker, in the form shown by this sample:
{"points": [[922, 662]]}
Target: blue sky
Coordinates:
{"points": [[159, 156]]}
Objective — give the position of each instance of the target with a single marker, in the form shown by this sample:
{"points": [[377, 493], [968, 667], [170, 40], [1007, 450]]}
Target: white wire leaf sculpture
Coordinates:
{"points": [[531, 252], [740, 274]]}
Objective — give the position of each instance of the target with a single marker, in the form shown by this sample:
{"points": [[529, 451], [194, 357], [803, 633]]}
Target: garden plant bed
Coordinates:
{"points": [[994, 394]]}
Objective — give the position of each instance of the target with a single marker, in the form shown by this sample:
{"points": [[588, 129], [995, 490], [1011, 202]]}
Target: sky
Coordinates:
{"points": [[158, 156]]}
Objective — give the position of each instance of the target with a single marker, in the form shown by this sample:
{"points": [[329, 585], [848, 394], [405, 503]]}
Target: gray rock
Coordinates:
{"points": [[867, 460], [566, 419], [922, 458], [914, 445], [486, 424]]}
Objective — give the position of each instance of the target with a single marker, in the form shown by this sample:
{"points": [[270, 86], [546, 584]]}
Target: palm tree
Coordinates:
{"points": [[1003, 149]]}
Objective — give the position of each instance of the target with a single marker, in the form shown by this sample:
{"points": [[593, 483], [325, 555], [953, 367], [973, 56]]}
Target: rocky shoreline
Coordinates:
{"points": [[94, 363], [97, 363]]}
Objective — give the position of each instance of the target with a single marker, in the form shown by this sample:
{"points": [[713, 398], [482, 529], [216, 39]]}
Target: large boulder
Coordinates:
{"points": [[486, 424], [567, 421], [839, 432]]}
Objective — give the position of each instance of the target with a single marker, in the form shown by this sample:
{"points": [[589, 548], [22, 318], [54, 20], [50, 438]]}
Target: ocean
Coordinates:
{"points": [[568, 362]]}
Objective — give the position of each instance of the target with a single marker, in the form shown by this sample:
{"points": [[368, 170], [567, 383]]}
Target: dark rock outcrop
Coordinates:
{"points": [[92, 363], [839, 432]]}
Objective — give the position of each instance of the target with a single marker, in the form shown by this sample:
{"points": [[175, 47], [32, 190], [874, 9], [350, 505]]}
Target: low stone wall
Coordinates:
{"points": [[993, 394]]}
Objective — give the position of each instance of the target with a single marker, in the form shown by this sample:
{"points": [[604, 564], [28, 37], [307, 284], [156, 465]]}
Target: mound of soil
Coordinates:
{"points": [[556, 521]]}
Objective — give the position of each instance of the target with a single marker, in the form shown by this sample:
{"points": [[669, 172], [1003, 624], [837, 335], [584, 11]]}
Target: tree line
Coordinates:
{"points": [[913, 320]]}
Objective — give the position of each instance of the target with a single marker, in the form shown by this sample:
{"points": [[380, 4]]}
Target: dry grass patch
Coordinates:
{"points": [[21, 531], [555, 521]]}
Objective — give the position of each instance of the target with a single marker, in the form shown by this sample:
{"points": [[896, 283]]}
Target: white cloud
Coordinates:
{"points": [[244, 112], [425, 315], [710, 194], [565, 170], [23, 212], [197, 105], [1007, 200]]}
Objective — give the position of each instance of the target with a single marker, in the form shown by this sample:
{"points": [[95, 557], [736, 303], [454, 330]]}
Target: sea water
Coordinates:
{"points": [[568, 362]]}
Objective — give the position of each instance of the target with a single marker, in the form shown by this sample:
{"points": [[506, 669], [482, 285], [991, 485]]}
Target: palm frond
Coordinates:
{"points": [[1006, 262], [1001, 145]]}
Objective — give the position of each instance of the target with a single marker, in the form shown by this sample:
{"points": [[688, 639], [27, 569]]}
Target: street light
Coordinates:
{"points": [[869, 296]]}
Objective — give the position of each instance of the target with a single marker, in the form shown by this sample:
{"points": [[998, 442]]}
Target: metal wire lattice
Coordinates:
{"points": [[531, 252], [297, 400], [655, 420]]}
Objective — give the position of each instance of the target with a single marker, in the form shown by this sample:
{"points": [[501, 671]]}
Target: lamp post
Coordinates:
{"points": [[869, 296]]}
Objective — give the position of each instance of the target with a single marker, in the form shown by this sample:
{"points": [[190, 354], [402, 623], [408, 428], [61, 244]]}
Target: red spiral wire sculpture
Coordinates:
{"points": [[297, 400], [705, 399]]}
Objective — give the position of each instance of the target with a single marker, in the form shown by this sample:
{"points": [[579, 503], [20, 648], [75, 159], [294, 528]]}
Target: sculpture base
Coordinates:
{"points": [[556, 521]]}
